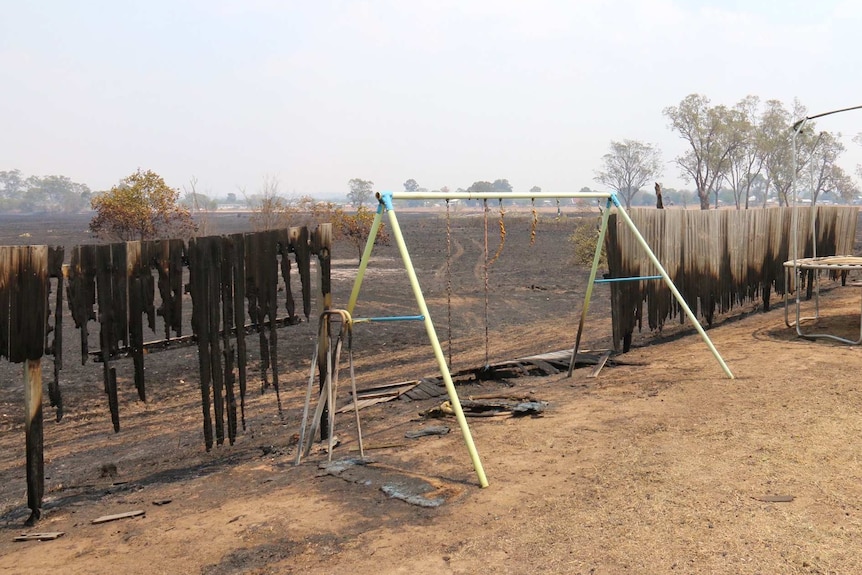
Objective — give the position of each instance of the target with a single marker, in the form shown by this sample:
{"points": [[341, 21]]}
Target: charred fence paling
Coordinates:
{"points": [[717, 259], [24, 331], [230, 278]]}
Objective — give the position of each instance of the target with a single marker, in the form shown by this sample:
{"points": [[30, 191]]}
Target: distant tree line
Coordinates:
{"points": [[741, 155], [28, 194]]}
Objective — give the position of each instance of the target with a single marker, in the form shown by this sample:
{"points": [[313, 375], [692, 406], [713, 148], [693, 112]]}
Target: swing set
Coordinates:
{"points": [[329, 368]]}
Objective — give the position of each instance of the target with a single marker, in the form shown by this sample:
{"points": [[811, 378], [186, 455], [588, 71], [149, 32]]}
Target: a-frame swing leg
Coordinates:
{"points": [[669, 282], [386, 203], [590, 283]]}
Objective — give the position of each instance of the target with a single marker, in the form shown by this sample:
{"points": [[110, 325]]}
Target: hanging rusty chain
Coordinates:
{"points": [[534, 224], [449, 283], [502, 235]]}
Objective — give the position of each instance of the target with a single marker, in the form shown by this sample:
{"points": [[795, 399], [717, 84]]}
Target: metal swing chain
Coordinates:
{"points": [[449, 283], [485, 203], [502, 235], [535, 221]]}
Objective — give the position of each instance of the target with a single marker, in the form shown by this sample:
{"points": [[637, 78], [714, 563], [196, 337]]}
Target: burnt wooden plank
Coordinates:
{"points": [[238, 241], [120, 300], [105, 294], [270, 306], [6, 276], [226, 285], [299, 242], [253, 288], [55, 270], [136, 313], [213, 305], [323, 241], [33, 431], [418, 393], [284, 250], [82, 292], [260, 293], [136, 335], [175, 266], [546, 367], [148, 283], [113, 399], [199, 260], [161, 254], [29, 314], [16, 344], [30, 304]]}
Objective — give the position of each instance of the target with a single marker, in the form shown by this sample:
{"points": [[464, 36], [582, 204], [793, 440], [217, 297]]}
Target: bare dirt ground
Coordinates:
{"points": [[659, 465]]}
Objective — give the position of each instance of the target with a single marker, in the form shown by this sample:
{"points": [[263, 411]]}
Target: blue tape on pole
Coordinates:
{"points": [[391, 318], [631, 279]]}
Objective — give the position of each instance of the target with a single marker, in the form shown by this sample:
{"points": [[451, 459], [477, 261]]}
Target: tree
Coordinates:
{"points": [[54, 194], [360, 192], [745, 162], [355, 228], [706, 130], [842, 185], [628, 167], [200, 205], [502, 186], [11, 184], [480, 187], [270, 209], [824, 174], [778, 147], [141, 207], [411, 185], [42, 194]]}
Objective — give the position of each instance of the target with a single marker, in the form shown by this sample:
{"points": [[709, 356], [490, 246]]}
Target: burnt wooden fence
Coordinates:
{"points": [[717, 259], [234, 286]]}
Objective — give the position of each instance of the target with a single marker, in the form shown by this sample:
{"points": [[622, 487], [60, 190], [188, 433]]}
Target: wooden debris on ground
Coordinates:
{"points": [[426, 431], [492, 407], [43, 536], [774, 498], [540, 365], [600, 364], [116, 516]]}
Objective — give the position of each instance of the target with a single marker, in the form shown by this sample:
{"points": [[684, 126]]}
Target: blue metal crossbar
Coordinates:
{"points": [[390, 318], [631, 279]]}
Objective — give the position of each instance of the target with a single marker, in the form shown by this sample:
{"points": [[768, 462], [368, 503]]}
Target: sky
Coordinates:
{"points": [[233, 93]]}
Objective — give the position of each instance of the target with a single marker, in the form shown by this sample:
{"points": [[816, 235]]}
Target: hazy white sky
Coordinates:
{"points": [[446, 92]]}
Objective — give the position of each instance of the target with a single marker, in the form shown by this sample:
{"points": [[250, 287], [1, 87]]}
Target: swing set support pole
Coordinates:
{"points": [[669, 282], [386, 200], [593, 271], [366, 256]]}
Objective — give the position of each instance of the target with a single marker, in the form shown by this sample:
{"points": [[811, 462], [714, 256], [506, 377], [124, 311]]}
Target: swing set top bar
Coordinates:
{"points": [[495, 195]]}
